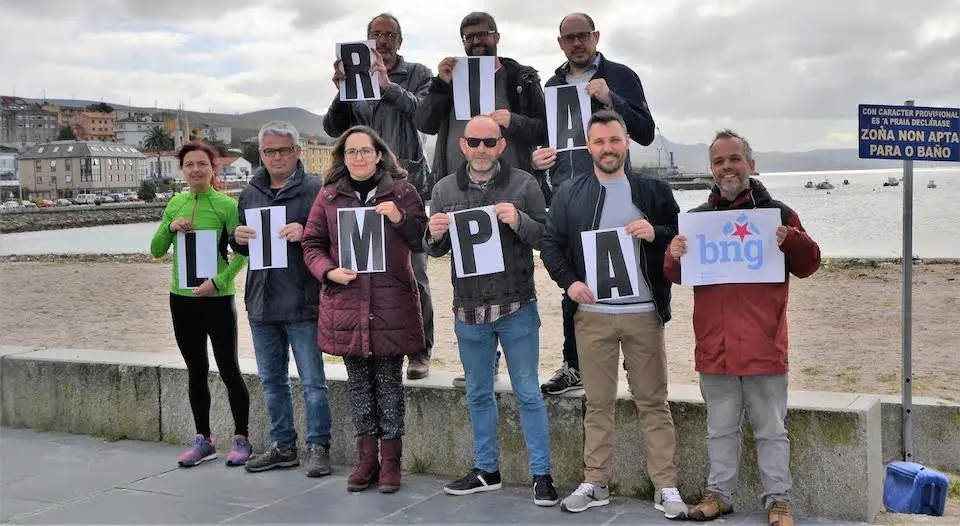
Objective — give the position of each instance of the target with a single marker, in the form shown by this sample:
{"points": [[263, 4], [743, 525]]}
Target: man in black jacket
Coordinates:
{"points": [[403, 86], [282, 306], [611, 86], [519, 101], [611, 197]]}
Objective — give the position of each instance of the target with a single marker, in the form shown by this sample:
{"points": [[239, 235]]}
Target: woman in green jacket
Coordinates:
{"points": [[197, 224]]}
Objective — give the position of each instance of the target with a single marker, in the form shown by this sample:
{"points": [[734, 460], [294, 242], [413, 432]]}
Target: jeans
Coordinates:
{"points": [[270, 343], [519, 336]]}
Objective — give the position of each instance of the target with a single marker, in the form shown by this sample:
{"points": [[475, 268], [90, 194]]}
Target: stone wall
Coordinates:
{"points": [[28, 220]]}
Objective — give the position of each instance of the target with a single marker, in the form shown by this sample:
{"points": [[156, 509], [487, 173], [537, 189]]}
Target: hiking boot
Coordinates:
{"points": [[565, 379], [780, 514], [668, 501], [418, 369], [275, 457], [317, 461], [586, 496], [710, 507], [202, 450], [240, 451], [390, 452], [474, 482], [368, 468], [544, 492]]}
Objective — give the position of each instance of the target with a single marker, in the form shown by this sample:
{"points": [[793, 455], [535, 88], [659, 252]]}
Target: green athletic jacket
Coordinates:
{"points": [[215, 211]]}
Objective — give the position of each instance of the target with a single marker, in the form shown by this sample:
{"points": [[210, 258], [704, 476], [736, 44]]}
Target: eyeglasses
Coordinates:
{"points": [[365, 153], [374, 35], [489, 142], [480, 35], [272, 152], [577, 37]]}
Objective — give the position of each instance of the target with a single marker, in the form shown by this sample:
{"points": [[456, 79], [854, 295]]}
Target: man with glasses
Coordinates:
{"points": [[500, 307], [403, 85], [611, 86], [282, 307]]}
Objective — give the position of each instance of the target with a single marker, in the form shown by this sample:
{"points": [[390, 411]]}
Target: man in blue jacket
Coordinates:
{"points": [[282, 306], [611, 86]]}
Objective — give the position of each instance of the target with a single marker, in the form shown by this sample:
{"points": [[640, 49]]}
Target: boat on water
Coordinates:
{"points": [[824, 185], [931, 184], [809, 184], [892, 181], [846, 182]]}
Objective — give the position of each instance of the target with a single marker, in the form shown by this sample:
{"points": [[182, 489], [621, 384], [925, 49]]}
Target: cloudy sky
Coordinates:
{"points": [[787, 73]]}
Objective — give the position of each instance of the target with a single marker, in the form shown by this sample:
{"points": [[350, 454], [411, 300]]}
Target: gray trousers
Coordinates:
{"points": [[764, 401], [419, 261]]}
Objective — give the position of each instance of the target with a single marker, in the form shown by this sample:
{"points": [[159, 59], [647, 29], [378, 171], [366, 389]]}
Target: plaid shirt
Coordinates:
{"points": [[489, 313]]}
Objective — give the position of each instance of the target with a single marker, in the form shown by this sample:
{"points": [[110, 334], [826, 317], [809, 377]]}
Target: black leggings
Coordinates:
{"points": [[193, 320]]}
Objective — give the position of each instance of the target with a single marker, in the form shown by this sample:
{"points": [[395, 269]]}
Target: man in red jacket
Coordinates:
{"points": [[741, 333]]}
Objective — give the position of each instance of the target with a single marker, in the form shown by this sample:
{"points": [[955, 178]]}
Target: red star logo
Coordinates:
{"points": [[741, 231]]}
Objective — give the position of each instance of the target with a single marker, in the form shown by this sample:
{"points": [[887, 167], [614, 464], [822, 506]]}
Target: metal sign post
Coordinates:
{"points": [[909, 133]]}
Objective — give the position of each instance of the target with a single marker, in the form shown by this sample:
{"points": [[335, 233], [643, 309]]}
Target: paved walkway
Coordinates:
{"points": [[71, 479]]}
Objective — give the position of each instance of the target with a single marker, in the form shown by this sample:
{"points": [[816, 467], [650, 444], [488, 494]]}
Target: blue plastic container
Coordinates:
{"points": [[912, 488]]}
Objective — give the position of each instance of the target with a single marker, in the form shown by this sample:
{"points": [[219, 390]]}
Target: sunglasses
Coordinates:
{"points": [[489, 142]]}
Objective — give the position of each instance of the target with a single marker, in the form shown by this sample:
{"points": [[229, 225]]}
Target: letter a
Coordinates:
{"points": [[610, 258]]}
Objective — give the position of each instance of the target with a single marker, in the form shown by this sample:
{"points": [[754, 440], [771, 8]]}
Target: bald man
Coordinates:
{"points": [[501, 306]]}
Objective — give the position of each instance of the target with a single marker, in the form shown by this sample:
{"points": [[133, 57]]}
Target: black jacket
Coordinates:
{"points": [[528, 124], [290, 294], [628, 100], [576, 208]]}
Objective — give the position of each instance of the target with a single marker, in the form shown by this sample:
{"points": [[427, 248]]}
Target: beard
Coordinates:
{"points": [[609, 168], [482, 50], [483, 164], [730, 189]]}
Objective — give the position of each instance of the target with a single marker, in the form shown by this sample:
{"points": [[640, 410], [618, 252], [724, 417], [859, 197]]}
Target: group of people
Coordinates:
{"points": [[543, 200]]}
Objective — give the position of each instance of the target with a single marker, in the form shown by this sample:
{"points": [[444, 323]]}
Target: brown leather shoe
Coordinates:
{"points": [[780, 514], [390, 453], [368, 469], [417, 369], [710, 507]]}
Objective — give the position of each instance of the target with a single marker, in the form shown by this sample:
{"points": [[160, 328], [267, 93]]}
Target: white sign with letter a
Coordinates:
{"points": [[474, 87], [731, 246], [610, 261], [196, 257], [568, 112], [361, 239], [475, 239], [356, 61], [267, 250]]}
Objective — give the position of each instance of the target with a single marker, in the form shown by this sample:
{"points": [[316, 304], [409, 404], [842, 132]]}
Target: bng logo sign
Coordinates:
{"points": [[740, 243]]}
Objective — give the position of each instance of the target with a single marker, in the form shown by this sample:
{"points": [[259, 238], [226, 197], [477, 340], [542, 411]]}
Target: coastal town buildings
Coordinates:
{"points": [[66, 168]]}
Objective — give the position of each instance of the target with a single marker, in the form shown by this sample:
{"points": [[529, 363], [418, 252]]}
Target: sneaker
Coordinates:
{"points": [[240, 451], [544, 494], [417, 369], [275, 457], [202, 450], [565, 379], [317, 461], [474, 482], [586, 496], [668, 501], [780, 514], [711, 507]]}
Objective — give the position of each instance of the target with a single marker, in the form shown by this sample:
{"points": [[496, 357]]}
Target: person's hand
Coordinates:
{"points": [[678, 246], [598, 89], [439, 225], [205, 289], [380, 69], [501, 117], [580, 293], [181, 225], [337, 74], [782, 232], [342, 275], [544, 158], [292, 232], [243, 234], [390, 211], [507, 214], [641, 229], [445, 69]]}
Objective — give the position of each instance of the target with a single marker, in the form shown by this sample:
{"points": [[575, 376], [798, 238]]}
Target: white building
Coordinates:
{"points": [[133, 130], [9, 173], [235, 168], [161, 165]]}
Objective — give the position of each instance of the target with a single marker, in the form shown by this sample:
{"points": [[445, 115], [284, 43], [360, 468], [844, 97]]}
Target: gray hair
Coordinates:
{"points": [[727, 133], [280, 129]]}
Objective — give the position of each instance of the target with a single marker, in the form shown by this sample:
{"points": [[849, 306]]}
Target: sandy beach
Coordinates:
{"points": [[844, 321]]}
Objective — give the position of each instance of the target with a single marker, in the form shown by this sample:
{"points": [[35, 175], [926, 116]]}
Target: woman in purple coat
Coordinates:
{"points": [[370, 319]]}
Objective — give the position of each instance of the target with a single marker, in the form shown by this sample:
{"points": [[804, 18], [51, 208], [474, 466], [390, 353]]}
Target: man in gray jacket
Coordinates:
{"points": [[403, 85], [282, 306]]}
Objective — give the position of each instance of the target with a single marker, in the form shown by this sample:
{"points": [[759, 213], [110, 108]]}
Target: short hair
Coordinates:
{"points": [[606, 117], [727, 133], [478, 17], [388, 16], [194, 146], [585, 16], [280, 129]]}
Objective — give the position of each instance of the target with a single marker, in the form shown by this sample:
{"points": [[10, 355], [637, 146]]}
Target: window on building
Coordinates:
{"points": [[40, 150], [68, 165], [56, 149], [69, 148], [53, 165], [39, 179]]}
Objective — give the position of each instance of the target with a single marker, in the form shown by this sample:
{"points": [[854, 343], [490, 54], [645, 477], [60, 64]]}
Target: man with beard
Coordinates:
{"points": [[502, 307], [611, 86], [741, 334], [610, 198], [403, 85]]}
